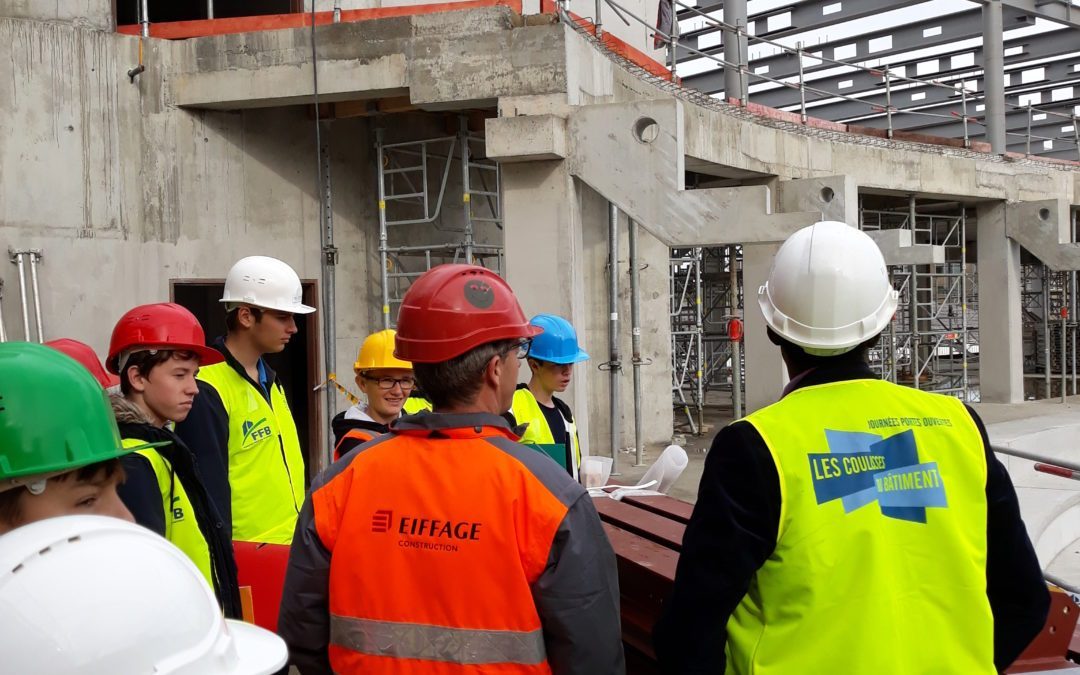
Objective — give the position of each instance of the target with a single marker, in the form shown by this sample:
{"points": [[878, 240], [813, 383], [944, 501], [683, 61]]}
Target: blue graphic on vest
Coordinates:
{"points": [[861, 468], [255, 432]]}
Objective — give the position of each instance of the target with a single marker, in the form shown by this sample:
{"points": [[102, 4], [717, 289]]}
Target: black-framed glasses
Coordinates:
{"points": [[523, 348], [387, 383]]}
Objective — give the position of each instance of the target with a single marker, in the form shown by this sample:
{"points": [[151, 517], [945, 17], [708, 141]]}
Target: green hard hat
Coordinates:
{"points": [[54, 416]]}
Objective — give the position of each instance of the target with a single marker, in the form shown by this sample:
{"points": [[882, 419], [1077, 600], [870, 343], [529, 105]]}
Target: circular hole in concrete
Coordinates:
{"points": [[827, 194], [1044, 214], [646, 130]]}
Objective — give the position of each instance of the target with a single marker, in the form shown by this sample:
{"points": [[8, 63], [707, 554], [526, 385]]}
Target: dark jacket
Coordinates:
{"points": [[576, 594], [342, 426], [733, 530], [142, 495]]}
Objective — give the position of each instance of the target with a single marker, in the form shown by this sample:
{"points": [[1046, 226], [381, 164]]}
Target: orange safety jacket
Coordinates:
{"points": [[445, 548]]}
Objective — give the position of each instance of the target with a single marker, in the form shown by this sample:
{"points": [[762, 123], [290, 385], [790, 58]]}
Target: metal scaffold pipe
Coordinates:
{"points": [[1072, 305], [635, 339], [1046, 328], [384, 259], [614, 366]]}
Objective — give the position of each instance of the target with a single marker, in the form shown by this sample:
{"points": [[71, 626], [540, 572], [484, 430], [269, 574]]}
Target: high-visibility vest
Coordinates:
{"points": [[880, 559], [430, 571], [266, 466], [181, 526], [526, 410], [415, 404]]}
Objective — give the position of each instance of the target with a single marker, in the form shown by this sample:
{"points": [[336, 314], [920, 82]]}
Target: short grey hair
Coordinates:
{"points": [[460, 379]]}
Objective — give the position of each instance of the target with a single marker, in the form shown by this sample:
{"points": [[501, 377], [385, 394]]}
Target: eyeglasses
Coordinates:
{"points": [[387, 383], [522, 348]]}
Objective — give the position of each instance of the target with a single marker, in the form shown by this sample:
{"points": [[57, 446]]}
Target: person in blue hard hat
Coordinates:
{"points": [[550, 423]]}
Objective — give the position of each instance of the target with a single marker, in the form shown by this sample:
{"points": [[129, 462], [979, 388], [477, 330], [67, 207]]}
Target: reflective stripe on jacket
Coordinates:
{"points": [[446, 548]]}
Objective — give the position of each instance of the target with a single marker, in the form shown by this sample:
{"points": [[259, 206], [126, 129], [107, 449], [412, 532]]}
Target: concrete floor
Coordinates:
{"points": [[686, 488]]}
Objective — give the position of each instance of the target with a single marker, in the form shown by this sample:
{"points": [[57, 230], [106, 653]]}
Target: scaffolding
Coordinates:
{"points": [[932, 341], [687, 336], [1048, 303], [413, 179], [702, 306]]}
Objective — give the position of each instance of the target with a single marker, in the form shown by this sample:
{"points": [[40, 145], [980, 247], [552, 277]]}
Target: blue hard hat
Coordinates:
{"points": [[558, 343]]}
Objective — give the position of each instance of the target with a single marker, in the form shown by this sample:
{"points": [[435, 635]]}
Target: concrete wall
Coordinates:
{"points": [[88, 13], [124, 194]]}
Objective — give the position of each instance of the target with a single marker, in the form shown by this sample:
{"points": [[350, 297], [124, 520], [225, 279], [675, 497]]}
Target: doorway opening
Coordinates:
{"points": [[296, 366]]}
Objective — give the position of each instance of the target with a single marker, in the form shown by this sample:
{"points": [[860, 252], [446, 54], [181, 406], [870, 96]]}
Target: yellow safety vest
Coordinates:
{"points": [[266, 466], [181, 527], [880, 560], [415, 404], [526, 410]]}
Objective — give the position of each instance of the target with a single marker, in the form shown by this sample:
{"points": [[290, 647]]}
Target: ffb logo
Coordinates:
{"points": [[255, 431], [381, 521]]}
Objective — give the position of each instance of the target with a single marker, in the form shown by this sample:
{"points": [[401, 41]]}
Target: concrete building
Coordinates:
{"points": [[145, 186]]}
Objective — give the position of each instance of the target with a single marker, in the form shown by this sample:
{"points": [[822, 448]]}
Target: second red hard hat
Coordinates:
{"points": [[452, 309], [164, 325]]}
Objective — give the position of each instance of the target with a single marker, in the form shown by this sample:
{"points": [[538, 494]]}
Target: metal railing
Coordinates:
{"points": [[1053, 466], [892, 81]]}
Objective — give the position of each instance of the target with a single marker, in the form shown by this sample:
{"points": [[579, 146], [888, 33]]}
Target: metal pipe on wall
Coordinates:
{"points": [[35, 257], [1046, 328], [1064, 354], [209, 9], [3, 331], [635, 339], [614, 364], [144, 19], [736, 346], [699, 259], [17, 258]]}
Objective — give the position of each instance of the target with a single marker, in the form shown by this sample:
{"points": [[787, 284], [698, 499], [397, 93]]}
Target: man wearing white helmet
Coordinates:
{"points": [[100, 596], [855, 526], [240, 423]]}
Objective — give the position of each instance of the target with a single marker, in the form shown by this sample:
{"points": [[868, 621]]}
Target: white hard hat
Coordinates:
{"points": [[828, 289], [265, 282], [101, 596]]}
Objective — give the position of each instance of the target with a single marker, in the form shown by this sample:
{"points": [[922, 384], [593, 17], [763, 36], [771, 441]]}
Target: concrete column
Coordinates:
{"points": [[765, 371], [1001, 359], [994, 70], [735, 50], [542, 240]]}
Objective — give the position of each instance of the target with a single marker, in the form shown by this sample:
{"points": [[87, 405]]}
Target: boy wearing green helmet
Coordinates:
{"points": [[67, 466]]}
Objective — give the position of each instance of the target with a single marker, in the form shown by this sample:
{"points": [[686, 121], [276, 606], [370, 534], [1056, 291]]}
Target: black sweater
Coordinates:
{"points": [[733, 529]]}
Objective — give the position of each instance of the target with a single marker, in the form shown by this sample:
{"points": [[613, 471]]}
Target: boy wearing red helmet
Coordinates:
{"points": [[157, 351]]}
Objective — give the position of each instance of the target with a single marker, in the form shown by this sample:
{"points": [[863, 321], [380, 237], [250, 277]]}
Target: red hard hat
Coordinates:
{"points": [[164, 325], [452, 309], [82, 353]]}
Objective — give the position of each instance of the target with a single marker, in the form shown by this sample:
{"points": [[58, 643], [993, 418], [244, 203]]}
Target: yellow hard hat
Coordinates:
{"points": [[377, 351]]}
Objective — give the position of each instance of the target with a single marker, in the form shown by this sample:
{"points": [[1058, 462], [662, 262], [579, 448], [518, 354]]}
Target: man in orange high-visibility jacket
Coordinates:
{"points": [[445, 547]]}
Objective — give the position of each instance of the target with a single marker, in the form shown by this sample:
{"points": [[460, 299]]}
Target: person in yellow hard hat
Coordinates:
{"points": [[390, 388]]}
